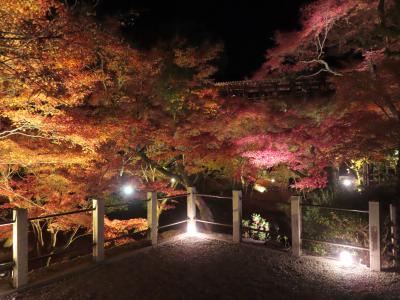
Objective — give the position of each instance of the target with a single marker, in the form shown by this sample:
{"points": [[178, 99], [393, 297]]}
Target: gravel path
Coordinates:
{"points": [[196, 268]]}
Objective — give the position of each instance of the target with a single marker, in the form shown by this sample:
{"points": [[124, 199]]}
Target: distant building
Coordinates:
{"points": [[276, 88]]}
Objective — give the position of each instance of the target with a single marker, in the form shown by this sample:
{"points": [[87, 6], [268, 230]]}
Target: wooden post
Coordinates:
{"points": [[236, 216], [393, 231], [191, 210], [20, 248], [296, 225], [98, 230], [374, 237], [152, 218]]}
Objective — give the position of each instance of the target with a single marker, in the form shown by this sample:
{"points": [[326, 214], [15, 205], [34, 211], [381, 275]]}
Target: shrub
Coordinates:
{"points": [[259, 223]]}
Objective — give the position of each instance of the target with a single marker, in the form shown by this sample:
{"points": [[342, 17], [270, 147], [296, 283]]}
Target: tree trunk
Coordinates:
{"points": [[398, 176], [182, 178], [38, 233], [205, 212], [53, 243]]}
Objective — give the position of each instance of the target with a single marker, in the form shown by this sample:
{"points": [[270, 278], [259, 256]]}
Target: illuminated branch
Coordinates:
{"points": [[320, 41], [20, 131], [183, 179], [29, 38], [18, 196]]}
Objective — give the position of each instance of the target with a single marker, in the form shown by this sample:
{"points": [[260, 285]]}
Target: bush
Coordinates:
{"points": [[340, 227], [256, 222], [271, 233]]}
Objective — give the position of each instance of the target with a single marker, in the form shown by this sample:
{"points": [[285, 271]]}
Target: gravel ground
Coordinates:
{"points": [[198, 268]]}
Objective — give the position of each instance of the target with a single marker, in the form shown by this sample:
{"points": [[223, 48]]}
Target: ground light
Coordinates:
{"points": [[260, 188], [347, 182], [128, 190], [191, 228], [346, 259]]}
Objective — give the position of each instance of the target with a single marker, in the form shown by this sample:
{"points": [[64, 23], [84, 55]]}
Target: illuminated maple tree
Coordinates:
{"points": [[54, 62], [354, 44], [82, 111]]}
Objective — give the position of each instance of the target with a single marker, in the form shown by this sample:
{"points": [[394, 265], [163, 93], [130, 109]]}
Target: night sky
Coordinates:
{"points": [[245, 27]]}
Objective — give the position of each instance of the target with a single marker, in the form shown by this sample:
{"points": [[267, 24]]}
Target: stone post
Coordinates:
{"points": [[374, 237], [393, 231], [98, 230], [191, 209], [236, 216], [296, 225], [20, 248], [152, 218]]}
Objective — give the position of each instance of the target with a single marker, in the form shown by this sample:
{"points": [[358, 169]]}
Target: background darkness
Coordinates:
{"points": [[245, 27]]}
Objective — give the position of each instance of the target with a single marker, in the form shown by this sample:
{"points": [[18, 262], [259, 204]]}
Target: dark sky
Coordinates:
{"points": [[245, 27]]}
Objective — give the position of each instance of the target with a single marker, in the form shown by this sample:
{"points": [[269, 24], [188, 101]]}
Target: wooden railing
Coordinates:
{"points": [[373, 212], [20, 223]]}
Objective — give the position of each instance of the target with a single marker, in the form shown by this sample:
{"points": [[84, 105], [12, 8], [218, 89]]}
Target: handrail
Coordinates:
{"points": [[4, 223], [336, 244], [335, 208], [116, 205], [214, 223], [124, 204], [172, 224], [213, 196], [6, 266], [173, 197], [61, 214], [137, 200]]}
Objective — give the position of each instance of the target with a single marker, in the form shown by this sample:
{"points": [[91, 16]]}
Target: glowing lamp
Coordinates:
{"points": [[347, 182], [273, 180], [260, 188], [346, 259], [173, 180], [191, 227], [128, 190]]}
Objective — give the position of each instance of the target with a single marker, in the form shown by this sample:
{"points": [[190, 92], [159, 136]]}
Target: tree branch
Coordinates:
{"points": [[183, 179], [320, 45]]}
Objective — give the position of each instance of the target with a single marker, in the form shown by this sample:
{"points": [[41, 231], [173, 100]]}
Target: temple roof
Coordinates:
{"points": [[258, 89]]}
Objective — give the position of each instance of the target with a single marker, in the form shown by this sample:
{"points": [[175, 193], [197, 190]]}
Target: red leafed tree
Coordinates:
{"points": [[324, 23], [354, 43]]}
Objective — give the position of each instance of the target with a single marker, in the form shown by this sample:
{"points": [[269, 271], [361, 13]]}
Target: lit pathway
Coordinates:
{"points": [[196, 268]]}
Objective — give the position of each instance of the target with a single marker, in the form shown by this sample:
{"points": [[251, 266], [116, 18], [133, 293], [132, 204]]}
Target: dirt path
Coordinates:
{"points": [[195, 268]]}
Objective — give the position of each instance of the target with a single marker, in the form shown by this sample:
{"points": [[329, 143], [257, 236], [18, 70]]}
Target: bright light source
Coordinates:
{"points": [[273, 180], [173, 180], [347, 182], [260, 188], [128, 190], [346, 259], [191, 227]]}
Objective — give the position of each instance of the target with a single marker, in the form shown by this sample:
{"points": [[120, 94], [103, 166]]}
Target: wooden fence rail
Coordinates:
{"points": [[374, 230], [20, 224]]}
